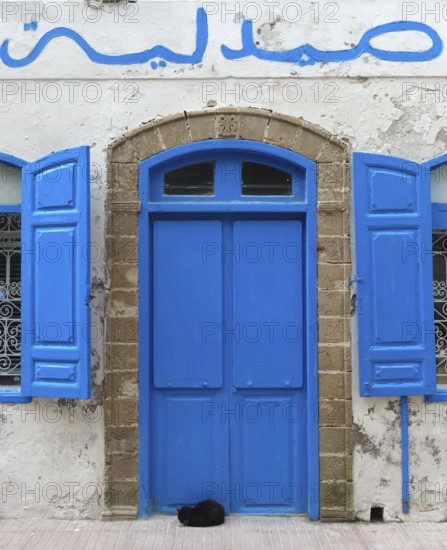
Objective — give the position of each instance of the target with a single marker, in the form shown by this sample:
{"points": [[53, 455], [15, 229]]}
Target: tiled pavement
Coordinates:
{"points": [[244, 533]]}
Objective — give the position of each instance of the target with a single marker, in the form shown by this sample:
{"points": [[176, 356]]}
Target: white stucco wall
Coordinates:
{"points": [[65, 100]]}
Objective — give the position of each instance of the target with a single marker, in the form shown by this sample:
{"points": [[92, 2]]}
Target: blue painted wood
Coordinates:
{"points": [[52, 263], [12, 160], [219, 406], [394, 277], [228, 157], [267, 304], [187, 302], [223, 207], [186, 296], [190, 444], [7, 396], [439, 215], [145, 318], [10, 208], [56, 276], [439, 396], [267, 463], [228, 183]]}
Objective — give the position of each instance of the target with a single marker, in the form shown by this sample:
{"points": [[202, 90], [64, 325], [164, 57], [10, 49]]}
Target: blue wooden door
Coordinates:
{"points": [[228, 398], [267, 442]]}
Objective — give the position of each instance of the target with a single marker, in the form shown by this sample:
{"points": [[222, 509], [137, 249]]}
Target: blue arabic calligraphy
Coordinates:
{"points": [[308, 55], [106, 59], [301, 55]]}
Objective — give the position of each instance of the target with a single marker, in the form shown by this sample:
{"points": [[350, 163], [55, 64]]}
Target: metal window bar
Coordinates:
{"points": [[439, 249], [193, 179], [262, 179], [10, 299]]}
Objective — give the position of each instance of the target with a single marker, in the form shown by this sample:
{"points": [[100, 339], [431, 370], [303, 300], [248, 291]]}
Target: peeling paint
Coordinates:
{"points": [[364, 441], [433, 448]]}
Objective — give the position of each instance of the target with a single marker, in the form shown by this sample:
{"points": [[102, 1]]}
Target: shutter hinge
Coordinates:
{"points": [[356, 280], [366, 388]]}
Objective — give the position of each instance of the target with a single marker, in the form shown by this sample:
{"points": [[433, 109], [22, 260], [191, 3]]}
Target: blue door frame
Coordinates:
{"points": [[302, 206]]}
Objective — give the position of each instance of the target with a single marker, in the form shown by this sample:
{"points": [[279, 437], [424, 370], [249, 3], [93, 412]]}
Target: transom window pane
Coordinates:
{"points": [[10, 184], [438, 183], [10, 299], [194, 179], [440, 300], [262, 179]]}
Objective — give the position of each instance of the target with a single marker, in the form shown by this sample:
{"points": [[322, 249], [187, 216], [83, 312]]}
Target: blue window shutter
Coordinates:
{"points": [[394, 277], [56, 275]]}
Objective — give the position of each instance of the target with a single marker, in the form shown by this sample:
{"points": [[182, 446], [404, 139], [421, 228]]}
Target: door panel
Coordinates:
{"points": [[191, 450], [267, 304], [187, 297], [268, 458]]}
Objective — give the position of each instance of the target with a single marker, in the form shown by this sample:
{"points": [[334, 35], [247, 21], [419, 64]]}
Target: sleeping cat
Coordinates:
{"points": [[205, 514]]}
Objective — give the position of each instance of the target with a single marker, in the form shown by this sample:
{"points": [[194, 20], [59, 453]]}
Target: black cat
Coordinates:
{"points": [[205, 514]]}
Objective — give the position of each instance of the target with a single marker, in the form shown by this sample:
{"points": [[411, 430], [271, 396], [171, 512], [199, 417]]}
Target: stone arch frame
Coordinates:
{"points": [[333, 273]]}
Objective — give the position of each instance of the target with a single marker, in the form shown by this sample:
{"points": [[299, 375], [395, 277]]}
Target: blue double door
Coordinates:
{"points": [[227, 339]]}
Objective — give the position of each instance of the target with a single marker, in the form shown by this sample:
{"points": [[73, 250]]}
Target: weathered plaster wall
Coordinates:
{"points": [[64, 100], [51, 462]]}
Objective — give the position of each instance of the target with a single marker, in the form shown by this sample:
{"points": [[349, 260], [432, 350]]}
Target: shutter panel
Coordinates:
{"points": [[394, 277], [56, 275]]}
